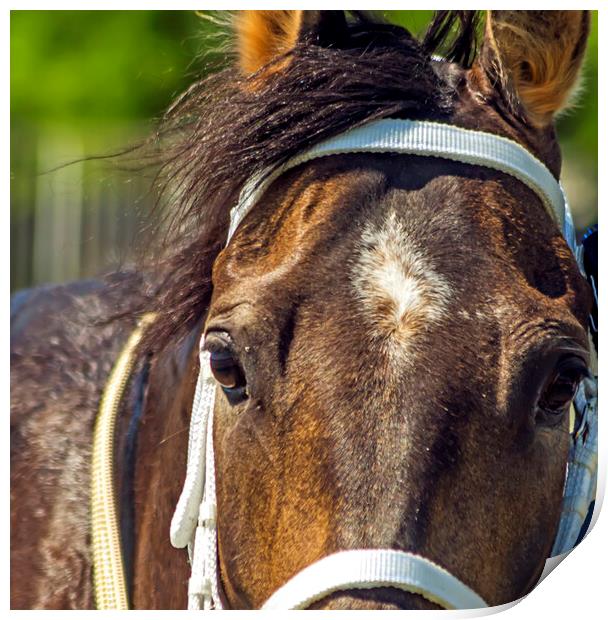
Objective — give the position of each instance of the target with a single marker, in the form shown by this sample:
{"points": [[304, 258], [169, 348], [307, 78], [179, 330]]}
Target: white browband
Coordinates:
{"points": [[194, 521], [426, 138]]}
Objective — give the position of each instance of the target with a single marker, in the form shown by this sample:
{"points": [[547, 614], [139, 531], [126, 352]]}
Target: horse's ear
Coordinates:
{"points": [[537, 56], [264, 35]]}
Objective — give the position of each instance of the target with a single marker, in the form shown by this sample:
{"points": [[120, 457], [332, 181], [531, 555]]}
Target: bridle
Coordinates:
{"points": [[194, 523]]}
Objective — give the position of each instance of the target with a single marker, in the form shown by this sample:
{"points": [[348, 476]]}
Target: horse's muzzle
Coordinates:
{"points": [[378, 598]]}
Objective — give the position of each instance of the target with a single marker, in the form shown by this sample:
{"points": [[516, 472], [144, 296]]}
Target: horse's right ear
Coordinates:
{"points": [[262, 36]]}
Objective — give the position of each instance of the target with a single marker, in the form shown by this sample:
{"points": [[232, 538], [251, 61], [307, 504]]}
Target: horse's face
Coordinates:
{"points": [[403, 337]]}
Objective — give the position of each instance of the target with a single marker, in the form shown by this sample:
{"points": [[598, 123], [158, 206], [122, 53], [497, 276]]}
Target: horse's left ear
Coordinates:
{"points": [[537, 56], [262, 36]]}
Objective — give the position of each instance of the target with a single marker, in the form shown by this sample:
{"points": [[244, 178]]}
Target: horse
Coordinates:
{"points": [[395, 339]]}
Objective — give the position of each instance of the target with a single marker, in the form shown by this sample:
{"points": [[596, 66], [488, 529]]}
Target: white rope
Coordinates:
{"points": [[209, 516], [374, 568], [194, 520], [185, 516], [203, 587]]}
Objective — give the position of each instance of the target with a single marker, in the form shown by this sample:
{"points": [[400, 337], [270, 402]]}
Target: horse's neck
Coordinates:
{"points": [[160, 572]]}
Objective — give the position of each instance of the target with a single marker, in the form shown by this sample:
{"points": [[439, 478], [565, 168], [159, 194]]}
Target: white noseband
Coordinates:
{"points": [[194, 521], [374, 568]]}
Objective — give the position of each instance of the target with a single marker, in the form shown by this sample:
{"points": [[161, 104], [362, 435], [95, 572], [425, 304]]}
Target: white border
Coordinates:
{"points": [[576, 588]]}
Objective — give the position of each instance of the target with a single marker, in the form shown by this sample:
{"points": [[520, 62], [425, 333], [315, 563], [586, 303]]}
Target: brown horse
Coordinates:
{"points": [[402, 336]]}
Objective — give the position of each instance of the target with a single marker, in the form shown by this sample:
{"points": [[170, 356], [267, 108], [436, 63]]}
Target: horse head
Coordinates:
{"points": [[398, 339]]}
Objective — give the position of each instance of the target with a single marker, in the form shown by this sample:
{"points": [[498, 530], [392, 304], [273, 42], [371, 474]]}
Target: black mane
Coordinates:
{"points": [[226, 127]]}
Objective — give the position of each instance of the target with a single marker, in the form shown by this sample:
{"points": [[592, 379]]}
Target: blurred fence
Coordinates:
{"points": [[72, 220]]}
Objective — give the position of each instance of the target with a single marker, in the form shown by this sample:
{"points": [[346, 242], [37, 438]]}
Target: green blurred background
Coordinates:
{"points": [[92, 82]]}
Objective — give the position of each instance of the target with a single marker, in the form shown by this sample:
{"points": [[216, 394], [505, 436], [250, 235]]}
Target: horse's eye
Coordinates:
{"points": [[561, 388], [225, 366], [226, 369]]}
